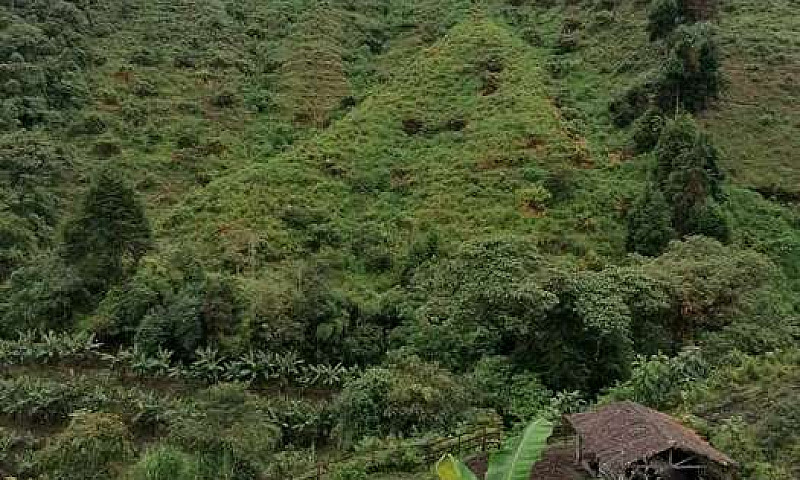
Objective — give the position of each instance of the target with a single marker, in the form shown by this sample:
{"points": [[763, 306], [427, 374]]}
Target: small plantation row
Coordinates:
{"points": [[257, 368]]}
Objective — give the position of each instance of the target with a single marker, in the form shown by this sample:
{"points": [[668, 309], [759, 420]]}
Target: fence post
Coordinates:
{"points": [[319, 471]]}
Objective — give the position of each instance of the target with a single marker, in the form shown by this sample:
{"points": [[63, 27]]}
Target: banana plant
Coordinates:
{"points": [[513, 462]]}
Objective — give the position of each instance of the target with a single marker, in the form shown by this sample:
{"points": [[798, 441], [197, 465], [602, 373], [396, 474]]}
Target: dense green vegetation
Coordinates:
{"points": [[241, 237]]}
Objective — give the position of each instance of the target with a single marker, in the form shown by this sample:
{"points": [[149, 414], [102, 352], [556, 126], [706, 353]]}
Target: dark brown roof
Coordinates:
{"points": [[619, 434]]}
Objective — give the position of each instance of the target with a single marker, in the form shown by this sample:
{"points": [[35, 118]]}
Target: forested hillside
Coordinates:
{"points": [[240, 239]]}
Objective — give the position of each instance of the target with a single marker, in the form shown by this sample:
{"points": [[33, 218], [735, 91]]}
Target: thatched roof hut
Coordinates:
{"points": [[626, 440]]}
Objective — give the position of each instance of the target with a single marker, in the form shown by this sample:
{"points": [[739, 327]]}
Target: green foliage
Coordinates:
{"points": [[664, 16], [329, 181], [650, 223], [515, 460], [164, 463], [93, 446], [709, 300], [404, 397], [33, 347], [689, 75], [43, 295], [515, 396], [48, 401], [31, 172], [108, 232], [751, 412], [685, 194], [349, 473], [449, 468], [647, 130], [177, 327], [490, 284], [233, 432], [692, 73], [658, 381]]}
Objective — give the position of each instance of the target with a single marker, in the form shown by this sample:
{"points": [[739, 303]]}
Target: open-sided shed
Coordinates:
{"points": [[628, 441]]}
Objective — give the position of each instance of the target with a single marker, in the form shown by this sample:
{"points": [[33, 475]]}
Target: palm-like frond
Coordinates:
{"points": [[515, 460]]}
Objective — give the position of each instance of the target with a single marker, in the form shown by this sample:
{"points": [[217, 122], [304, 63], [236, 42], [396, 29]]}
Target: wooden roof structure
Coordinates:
{"points": [[620, 435]]}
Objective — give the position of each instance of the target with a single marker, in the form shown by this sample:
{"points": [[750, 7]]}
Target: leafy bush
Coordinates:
{"points": [[692, 71], [647, 130], [164, 463], [32, 170], [349, 472], [664, 16], [51, 402], [44, 295], [515, 396], [689, 175], [108, 233], [177, 327], [404, 397], [650, 223], [48, 348], [93, 446], [658, 381]]}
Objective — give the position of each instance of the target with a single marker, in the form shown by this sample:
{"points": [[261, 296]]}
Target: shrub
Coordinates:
{"points": [[404, 397], [688, 174], [145, 57], [107, 148], [108, 233], [44, 295], [92, 124], [515, 396], [349, 472], [658, 381], [664, 16], [692, 74], [628, 104], [225, 99], [535, 199], [647, 130], [649, 224], [143, 88], [93, 446], [164, 463], [177, 326]]}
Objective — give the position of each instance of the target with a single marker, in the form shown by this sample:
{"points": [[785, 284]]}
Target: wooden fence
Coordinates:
{"points": [[478, 439]]}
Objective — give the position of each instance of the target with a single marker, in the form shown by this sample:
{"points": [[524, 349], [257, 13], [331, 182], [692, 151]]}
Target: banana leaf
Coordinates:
{"points": [[449, 468], [515, 460]]}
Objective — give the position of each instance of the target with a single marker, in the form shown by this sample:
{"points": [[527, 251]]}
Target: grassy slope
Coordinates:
{"points": [[757, 123], [614, 50], [261, 206], [369, 181]]}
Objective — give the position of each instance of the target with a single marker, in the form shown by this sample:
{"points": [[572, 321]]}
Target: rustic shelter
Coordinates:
{"points": [[627, 441]]}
